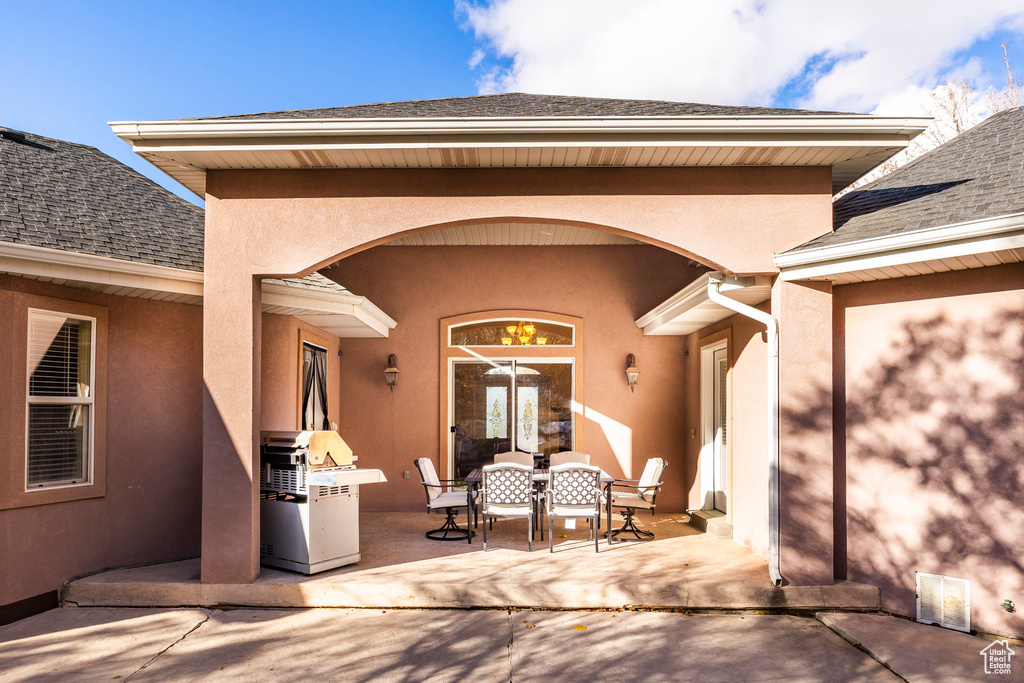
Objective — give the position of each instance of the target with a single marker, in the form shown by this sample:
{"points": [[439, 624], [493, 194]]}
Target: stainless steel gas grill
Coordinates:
{"points": [[309, 500]]}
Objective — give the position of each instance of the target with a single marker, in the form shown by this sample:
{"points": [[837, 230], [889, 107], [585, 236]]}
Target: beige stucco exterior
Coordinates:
{"points": [[145, 503], [148, 455], [288, 222], [900, 409], [929, 455]]}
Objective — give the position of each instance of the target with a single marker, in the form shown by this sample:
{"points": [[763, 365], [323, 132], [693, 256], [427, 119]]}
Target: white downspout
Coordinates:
{"points": [[715, 282]]}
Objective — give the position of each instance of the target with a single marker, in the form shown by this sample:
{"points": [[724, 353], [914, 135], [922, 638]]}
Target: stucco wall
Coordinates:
{"points": [[280, 371], [263, 223], [151, 507], [934, 436], [609, 287]]}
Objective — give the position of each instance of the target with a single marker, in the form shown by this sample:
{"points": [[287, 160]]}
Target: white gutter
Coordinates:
{"points": [[855, 126], [715, 282], [947, 241], [24, 259]]}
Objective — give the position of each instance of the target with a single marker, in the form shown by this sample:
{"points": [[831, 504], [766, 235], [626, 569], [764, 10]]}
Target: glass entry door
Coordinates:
{"points": [[509, 405]]}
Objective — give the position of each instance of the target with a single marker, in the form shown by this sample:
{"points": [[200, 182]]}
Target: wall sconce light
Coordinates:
{"points": [[391, 372], [632, 372]]}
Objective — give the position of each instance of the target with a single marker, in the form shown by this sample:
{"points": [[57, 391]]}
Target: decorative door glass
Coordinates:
{"points": [[506, 405]]}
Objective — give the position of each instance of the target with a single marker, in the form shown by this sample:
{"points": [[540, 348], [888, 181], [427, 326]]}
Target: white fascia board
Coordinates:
{"points": [[686, 298], [730, 129], [833, 124], [948, 241], [21, 259], [315, 302], [692, 302]]}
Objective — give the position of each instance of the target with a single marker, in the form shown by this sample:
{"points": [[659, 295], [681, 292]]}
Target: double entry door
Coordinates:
{"points": [[509, 405]]}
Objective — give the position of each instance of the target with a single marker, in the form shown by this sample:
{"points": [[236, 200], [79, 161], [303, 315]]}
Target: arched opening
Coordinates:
{"points": [[516, 231], [452, 290]]}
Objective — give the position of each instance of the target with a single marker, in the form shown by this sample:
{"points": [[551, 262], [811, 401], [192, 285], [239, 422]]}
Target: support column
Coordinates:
{"points": [[231, 417], [804, 311]]}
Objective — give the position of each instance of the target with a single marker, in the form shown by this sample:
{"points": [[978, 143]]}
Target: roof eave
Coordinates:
{"points": [[148, 281], [183, 148], [868, 257], [845, 124]]}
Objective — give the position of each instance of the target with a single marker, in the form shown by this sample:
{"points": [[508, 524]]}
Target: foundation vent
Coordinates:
{"points": [[944, 600], [266, 550]]}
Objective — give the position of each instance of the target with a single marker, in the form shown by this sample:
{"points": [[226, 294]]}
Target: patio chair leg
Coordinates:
{"points": [[628, 526], [551, 536], [530, 540], [593, 532], [450, 530], [485, 533]]}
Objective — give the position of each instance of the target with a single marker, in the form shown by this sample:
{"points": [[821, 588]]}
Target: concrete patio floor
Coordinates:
{"points": [[681, 568], [92, 644]]}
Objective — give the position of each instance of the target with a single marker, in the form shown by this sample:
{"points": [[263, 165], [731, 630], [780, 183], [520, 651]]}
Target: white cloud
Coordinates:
{"points": [[849, 56]]}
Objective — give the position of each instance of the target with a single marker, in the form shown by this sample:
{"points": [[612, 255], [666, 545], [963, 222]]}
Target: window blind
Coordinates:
{"points": [[59, 399]]}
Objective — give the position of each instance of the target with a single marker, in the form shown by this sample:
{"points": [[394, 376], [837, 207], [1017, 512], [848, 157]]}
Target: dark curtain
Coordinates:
{"points": [[308, 372], [320, 364]]}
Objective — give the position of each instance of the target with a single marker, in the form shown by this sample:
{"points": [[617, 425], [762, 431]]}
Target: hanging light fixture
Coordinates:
{"points": [[632, 372], [522, 334], [391, 372]]}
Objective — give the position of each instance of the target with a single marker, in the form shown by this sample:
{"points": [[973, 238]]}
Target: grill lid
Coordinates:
{"points": [[322, 449]]}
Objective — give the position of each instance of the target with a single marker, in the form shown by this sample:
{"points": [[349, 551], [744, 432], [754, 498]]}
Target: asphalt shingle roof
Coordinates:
{"points": [[978, 174], [72, 197], [314, 281], [519, 105]]}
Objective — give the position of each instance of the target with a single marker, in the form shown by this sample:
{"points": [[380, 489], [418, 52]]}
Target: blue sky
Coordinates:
{"points": [[69, 67]]}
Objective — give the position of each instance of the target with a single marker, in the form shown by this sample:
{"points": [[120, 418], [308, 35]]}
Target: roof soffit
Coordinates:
{"points": [[851, 144]]}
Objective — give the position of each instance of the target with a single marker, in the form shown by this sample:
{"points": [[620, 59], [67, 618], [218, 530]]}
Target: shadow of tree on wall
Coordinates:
{"points": [[929, 463], [935, 471]]}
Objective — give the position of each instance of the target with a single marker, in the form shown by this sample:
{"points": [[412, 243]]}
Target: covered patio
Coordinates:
{"points": [[681, 569], [425, 215]]}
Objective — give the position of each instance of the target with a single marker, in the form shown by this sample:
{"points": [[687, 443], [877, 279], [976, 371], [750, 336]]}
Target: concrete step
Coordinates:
{"points": [[711, 522], [177, 584]]}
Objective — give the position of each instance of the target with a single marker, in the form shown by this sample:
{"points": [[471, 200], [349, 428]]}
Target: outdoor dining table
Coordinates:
{"points": [[476, 477]]}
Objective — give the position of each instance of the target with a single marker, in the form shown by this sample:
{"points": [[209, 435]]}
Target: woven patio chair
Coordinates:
{"points": [[508, 492], [574, 492]]}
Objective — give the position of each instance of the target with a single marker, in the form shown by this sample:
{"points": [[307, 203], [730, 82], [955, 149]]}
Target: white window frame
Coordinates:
{"points": [[90, 400], [707, 431]]}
